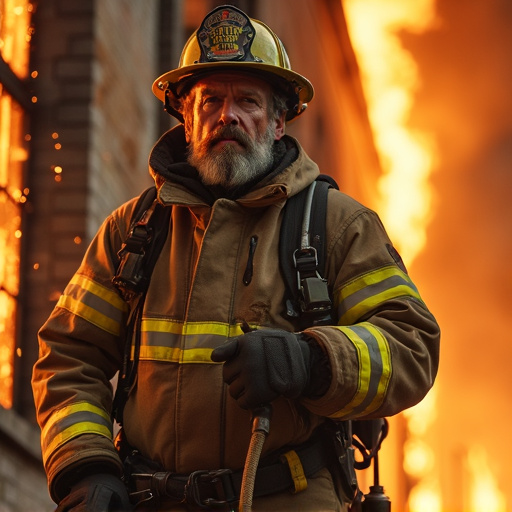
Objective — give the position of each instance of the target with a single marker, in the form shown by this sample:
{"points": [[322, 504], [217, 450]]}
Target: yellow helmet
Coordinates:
{"points": [[226, 40]]}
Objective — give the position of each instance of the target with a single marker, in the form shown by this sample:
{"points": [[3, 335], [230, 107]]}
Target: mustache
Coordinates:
{"points": [[228, 132]]}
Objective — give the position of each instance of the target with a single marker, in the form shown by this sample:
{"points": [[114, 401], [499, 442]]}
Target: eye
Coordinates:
{"points": [[210, 100], [250, 100]]}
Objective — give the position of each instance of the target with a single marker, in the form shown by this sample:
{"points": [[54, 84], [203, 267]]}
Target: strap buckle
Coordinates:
{"points": [[218, 483], [313, 290]]}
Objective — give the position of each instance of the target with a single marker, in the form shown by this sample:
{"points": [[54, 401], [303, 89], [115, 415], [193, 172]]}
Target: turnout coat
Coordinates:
{"points": [[382, 348]]}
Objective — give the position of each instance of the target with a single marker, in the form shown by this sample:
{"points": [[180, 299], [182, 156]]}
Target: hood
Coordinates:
{"points": [[179, 183]]}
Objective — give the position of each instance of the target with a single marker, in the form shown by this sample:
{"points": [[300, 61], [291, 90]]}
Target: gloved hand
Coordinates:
{"points": [[101, 492], [262, 365]]}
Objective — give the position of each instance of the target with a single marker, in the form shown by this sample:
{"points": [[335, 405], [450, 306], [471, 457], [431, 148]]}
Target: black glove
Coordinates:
{"points": [[101, 492], [262, 365]]}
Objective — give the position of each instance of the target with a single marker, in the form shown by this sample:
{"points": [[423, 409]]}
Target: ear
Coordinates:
{"points": [[279, 130]]}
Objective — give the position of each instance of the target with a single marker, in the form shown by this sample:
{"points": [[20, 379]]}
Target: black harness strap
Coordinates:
{"points": [[149, 227], [302, 253]]}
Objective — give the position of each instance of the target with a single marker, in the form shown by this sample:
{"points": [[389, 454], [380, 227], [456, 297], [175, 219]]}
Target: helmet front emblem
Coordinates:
{"points": [[226, 34]]}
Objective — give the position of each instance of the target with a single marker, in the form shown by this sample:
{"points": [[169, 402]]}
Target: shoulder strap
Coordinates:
{"points": [[148, 231], [149, 226], [302, 252], [318, 222]]}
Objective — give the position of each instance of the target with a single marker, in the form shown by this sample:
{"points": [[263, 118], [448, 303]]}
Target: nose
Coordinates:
{"points": [[228, 113]]}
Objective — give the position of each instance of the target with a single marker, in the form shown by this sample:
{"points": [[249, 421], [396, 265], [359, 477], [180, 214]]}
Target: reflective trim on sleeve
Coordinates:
{"points": [[370, 290], [172, 341], [72, 421], [95, 303], [375, 370]]}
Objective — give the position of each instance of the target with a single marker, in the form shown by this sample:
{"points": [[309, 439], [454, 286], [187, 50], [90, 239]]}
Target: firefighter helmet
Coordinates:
{"points": [[229, 40]]}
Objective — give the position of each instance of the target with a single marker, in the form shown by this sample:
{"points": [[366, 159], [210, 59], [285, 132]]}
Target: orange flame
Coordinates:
{"points": [[485, 494], [390, 78]]}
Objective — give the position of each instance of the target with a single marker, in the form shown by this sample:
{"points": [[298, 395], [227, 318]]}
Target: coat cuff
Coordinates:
{"points": [[78, 458]]}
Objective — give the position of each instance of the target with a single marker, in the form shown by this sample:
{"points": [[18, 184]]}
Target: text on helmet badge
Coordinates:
{"points": [[226, 34]]}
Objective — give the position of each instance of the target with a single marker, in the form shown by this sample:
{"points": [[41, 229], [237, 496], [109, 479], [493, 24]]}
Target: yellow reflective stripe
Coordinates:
{"points": [[173, 341], [215, 328], [373, 277], [71, 409], [374, 370], [94, 303], [68, 422], [175, 355], [385, 376], [297, 471], [159, 325], [91, 315], [190, 328], [368, 291], [364, 370], [100, 291], [182, 342], [74, 431], [356, 312]]}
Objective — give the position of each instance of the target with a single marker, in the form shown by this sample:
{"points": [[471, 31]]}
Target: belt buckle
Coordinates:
{"points": [[219, 481], [142, 493]]}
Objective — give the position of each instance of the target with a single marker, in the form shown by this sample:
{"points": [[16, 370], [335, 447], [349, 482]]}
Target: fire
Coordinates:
{"points": [[485, 494], [390, 78]]}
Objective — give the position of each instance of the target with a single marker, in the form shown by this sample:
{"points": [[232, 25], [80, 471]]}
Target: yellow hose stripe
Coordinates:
{"points": [[91, 315]]}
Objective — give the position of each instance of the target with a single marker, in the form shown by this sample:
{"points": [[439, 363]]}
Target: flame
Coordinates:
{"points": [[485, 494], [425, 497], [390, 77]]}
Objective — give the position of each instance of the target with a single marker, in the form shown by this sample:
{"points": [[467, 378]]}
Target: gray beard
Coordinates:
{"points": [[230, 168]]}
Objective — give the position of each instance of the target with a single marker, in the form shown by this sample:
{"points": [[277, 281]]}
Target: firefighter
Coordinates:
{"points": [[214, 340]]}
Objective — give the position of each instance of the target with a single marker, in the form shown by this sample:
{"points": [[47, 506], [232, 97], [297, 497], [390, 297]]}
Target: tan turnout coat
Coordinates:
{"points": [[383, 350]]}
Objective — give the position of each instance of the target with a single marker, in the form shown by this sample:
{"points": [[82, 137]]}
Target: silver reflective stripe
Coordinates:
{"points": [[357, 298], [72, 421]]}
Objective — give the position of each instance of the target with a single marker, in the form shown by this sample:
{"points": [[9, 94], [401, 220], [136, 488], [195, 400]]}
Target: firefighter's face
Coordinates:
{"points": [[231, 127]]}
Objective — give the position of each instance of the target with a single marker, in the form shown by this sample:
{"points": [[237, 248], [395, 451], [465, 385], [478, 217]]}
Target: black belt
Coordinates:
{"points": [[218, 488]]}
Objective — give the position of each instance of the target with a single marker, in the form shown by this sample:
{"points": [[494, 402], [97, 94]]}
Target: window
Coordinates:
{"points": [[15, 35]]}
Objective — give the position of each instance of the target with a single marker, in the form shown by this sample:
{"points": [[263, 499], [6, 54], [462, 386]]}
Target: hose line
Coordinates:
{"points": [[260, 430]]}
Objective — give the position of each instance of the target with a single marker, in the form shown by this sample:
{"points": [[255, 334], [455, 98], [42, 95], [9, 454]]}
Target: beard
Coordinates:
{"points": [[232, 164]]}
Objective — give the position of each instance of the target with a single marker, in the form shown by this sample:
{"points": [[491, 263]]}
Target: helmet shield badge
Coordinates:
{"points": [[226, 34]]}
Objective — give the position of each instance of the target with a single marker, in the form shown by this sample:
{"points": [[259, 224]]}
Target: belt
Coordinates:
{"points": [[216, 489]]}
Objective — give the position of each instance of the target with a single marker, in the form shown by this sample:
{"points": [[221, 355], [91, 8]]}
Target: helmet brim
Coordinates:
{"points": [[303, 88]]}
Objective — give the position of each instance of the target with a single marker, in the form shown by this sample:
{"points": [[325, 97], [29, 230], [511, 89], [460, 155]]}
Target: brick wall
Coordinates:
{"points": [[96, 61], [123, 108]]}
